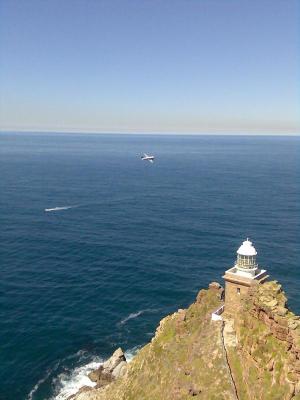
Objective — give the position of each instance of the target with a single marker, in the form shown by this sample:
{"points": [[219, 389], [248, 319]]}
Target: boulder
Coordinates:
{"points": [[215, 286], [101, 377], [281, 311], [114, 360], [120, 370], [95, 375]]}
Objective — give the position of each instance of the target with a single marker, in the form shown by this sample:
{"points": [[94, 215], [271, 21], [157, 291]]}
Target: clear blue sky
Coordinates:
{"points": [[209, 66]]}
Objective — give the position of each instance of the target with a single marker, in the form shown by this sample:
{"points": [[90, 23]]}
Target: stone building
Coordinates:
{"points": [[244, 274]]}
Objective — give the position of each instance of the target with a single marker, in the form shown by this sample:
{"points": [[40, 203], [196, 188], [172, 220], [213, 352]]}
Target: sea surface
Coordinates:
{"points": [[125, 242]]}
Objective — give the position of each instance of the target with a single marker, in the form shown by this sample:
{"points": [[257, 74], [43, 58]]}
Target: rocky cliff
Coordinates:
{"points": [[254, 354]]}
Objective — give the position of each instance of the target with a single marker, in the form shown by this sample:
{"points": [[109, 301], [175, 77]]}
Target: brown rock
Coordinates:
{"points": [[101, 377], [94, 375], [215, 286]]}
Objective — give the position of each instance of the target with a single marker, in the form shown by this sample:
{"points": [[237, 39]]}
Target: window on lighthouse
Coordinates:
{"points": [[238, 290]]}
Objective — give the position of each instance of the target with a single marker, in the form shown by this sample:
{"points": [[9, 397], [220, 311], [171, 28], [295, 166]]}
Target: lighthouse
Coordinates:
{"points": [[241, 276]]}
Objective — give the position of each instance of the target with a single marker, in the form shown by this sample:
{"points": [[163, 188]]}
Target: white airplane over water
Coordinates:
{"points": [[145, 157]]}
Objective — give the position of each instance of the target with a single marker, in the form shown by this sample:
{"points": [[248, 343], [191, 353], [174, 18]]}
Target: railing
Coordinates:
{"points": [[216, 315]]}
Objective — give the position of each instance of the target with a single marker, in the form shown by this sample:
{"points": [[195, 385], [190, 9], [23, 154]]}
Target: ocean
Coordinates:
{"points": [[125, 242]]}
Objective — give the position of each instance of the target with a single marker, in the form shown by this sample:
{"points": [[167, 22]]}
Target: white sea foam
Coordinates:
{"points": [[67, 384], [129, 354], [59, 208]]}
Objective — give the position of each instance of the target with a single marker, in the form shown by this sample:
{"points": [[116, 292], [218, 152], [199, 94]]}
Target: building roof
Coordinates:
{"points": [[247, 249]]}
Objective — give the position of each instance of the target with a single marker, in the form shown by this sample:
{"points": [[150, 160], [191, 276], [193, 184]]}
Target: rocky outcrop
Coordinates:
{"points": [[115, 367], [266, 362], [252, 355], [113, 362], [183, 361]]}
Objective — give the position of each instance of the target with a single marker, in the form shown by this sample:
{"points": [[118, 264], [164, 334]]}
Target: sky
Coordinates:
{"points": [[143, 66]]}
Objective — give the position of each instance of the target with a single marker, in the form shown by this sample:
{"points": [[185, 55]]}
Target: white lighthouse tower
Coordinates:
{"points": [[244, 274]]}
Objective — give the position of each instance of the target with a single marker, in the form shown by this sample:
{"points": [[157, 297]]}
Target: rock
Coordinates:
{"points": [[200, 296], [104, 379], [114, 360], [215, 286], [83, 389], [281, 311], [94, 375], [293, 324], [218, 288], [120, 370], [272, 303], [100, 376]]}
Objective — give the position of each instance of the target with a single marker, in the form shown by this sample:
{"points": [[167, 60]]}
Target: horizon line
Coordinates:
{"points": [[154, 133]]}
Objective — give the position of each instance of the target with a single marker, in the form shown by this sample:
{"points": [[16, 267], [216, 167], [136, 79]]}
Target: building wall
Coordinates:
{"points": [[233, 294]]}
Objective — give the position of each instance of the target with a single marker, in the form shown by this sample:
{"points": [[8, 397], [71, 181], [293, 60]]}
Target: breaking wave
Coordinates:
{"points": [[68, 383]]}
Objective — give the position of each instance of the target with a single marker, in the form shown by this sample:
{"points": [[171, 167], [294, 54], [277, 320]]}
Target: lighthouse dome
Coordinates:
{"points": [[247, 249]]}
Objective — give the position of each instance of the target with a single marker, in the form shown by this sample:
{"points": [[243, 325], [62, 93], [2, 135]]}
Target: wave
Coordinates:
{"points": [[130, 354], [68, 383], [59, 208]]}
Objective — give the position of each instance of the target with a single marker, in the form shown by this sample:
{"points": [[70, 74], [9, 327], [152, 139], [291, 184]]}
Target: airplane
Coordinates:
{"points": [[145, 157]]}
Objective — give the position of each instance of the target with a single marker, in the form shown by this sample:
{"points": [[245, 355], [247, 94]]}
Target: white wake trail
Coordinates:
{"points": [[136, 315], [59, 208]]}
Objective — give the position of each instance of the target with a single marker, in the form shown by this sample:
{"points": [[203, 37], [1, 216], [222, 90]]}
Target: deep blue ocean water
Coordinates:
{"points": [[138, 242]]}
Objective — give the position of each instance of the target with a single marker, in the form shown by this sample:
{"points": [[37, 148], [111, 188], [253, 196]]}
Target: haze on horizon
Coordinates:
{"points": [[140, 66]]}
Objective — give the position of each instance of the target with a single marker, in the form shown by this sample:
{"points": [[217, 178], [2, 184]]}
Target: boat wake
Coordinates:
{"points": [[136, 315], [38, 384], [59, 208]]}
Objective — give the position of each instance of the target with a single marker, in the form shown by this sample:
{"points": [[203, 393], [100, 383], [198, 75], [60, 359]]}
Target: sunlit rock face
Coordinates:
{"points": [[254, 354]]}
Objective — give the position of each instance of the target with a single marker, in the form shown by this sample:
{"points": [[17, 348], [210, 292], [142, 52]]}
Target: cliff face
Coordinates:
{"points": [[266, 360], [251, 355]]}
